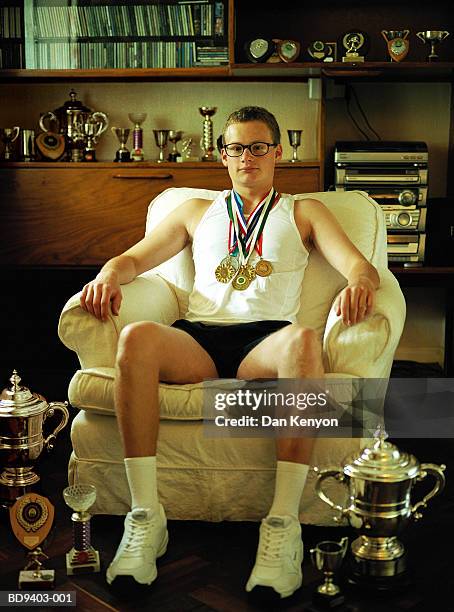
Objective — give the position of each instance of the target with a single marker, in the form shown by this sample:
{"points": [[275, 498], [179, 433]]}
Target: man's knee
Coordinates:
{"points": [[302, 341], [138, 342]]}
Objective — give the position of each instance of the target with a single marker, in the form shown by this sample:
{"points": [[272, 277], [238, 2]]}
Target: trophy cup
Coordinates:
{"points": [[137, 135], [27, 145], [82, 557], [353, 41], [31, 519], [294, 137], [206, 142], [379, 482], [92, 128], [161, 137], [433, 37], [22, 415], [398, 43], [122, 154], [174, 137], [327, 557], [8, 136]]}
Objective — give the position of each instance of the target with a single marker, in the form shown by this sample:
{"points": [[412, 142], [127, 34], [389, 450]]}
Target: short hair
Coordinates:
{"points": [[254, 113]]}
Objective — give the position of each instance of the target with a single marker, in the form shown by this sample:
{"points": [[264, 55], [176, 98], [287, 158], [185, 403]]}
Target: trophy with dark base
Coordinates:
{"points": [[82, 558], [433, 37], [327, 557], [31, 518], [122, 154]]}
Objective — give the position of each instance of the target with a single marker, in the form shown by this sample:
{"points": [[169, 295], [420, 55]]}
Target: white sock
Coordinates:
{"points": [[141, 475], [290, 481]]}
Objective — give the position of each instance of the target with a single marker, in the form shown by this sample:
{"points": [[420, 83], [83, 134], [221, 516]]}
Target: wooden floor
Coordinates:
{"points": [[207, 564]]}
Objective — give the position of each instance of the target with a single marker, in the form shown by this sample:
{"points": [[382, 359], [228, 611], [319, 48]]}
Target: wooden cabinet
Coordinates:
{"points": [[65, 214]]}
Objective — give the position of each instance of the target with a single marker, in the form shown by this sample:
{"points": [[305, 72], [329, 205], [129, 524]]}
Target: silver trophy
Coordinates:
{"points": [[8, 136], [433, 37], [379, 482], [137, 135], [82, 557], [294, 137], [207, 141], [327, 557], [174, 137], [161, 137], [122, 154], [92, 128]]}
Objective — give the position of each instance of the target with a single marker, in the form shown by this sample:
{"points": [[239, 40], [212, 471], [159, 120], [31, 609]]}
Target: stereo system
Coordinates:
{"points": [[394, 174]]}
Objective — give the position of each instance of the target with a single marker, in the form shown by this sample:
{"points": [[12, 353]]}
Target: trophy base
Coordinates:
{"points": [[384, 575], [174, 157], [32, 580], [322, 602], [122, 156], [356, 59], [82, 562]]}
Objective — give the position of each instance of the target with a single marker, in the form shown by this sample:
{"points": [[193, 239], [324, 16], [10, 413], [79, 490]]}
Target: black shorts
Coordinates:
{"points": [[228, 345]]}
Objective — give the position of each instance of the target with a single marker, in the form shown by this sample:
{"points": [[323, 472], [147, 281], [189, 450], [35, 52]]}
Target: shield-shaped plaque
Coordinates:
{"points": [[31, 519], [398, 48], [288, 50]]}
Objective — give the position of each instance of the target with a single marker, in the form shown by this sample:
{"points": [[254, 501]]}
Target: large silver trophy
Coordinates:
{"points": [[22, 417], [207, 141], [379, 482], [82, 557], [433, 37]]}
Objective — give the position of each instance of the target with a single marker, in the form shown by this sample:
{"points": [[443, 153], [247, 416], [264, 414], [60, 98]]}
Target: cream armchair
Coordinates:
{"points": [[202, 478]]}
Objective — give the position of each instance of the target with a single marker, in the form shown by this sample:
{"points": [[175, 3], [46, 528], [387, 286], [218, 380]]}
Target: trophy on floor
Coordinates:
{"points": [[327, 557], [8, 136], [122, 154], [174, 137], [433, 37], [207, 142], [82, 557], [31, 518], [294, 137], [137, 135]]}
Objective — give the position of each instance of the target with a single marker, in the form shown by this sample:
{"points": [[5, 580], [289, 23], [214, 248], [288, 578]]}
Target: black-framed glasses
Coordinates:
{"points": [[258, 149]]}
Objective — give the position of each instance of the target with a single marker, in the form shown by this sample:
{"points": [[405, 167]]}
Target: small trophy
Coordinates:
{"points": [[353, 41], [122, 154], [433, 37], [137, 135], [82, 557], [174, 137], [327, 557], [186, 150], [294, 137], [161, 137], [31, 519], [398, 43], [8, 136], [207, 142]]}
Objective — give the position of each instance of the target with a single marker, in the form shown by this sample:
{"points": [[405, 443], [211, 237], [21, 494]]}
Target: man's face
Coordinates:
{"points": [[248, 170]]}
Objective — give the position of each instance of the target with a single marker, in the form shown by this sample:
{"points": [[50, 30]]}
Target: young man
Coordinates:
{"points": [[250, 248]]}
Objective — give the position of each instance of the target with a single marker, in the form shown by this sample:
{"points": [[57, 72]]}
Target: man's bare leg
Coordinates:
{"points": [[148, 353], [292, 352]]}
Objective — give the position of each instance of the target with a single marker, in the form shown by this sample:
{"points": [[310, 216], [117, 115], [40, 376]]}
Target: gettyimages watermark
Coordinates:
{"points": [[330, 407]]}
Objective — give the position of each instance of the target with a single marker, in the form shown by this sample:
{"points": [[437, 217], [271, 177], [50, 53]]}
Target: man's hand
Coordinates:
{"points": [[99, 293], [356, 301]]}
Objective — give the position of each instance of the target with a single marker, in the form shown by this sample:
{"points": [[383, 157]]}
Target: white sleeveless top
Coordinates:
{"points": [[274, 297]]}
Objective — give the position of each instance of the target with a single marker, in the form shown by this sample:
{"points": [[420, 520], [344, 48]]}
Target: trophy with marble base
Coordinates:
{"points": [[82, 558], [31, 518]]}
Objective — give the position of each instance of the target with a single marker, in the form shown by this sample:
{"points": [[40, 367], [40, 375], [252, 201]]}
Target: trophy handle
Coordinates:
{"points": [[53, 406], [437, 472], [406, 33], [420, 35], [50, 116], [103, 122], [323, 475], [445, 35], [384, 34], [16, 131]]}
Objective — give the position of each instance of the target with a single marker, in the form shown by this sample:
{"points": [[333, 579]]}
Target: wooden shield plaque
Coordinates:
{"points": [[31, 519]]}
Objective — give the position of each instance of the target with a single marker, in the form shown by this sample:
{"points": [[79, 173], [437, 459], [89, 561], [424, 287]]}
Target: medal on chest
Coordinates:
{"points": [[244, 238]]}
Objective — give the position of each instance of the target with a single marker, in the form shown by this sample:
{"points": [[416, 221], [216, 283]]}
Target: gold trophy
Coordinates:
{"points": [[82, 557], [207, 142], [31, 518], [398, 43], [433, 37], [8, 136], [353, 42]]}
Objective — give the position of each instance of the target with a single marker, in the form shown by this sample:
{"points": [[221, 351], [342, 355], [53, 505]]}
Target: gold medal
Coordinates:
{"points": [[241, 280], [263, 267], [249, 271], [226, 270]]}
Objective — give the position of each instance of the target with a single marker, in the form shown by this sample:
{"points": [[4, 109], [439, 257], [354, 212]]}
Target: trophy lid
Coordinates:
{"points": [[20, 401], [72, 104], [382, 462]]}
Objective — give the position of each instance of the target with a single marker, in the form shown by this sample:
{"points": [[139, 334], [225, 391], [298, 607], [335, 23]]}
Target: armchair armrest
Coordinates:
{"points": [[367, 348], [147, 298]]}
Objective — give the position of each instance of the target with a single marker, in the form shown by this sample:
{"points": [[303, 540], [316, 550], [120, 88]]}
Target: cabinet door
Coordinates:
{"points": [[83, 216]]}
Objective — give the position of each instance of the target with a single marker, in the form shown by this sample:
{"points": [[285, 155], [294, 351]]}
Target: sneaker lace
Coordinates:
{"points": [[272, 543], [136, 534]]}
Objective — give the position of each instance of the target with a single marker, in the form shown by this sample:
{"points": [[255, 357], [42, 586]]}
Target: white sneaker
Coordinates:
{"points": [[144, 539], [279, 556]]}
